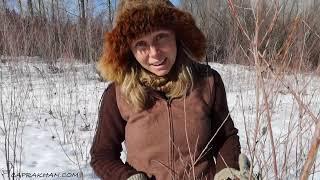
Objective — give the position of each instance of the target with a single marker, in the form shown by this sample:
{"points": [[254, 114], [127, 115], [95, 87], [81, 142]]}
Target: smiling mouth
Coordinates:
{"points": [[160, 63]]}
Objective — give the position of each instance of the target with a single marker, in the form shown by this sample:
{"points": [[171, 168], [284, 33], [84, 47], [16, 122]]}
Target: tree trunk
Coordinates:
{"points": [[39, 8], [42, 11], [30, 8], [58, 14], [4, 4], [20, 7], [82, 25], [110, 13], [82, 9], [52, 11]]}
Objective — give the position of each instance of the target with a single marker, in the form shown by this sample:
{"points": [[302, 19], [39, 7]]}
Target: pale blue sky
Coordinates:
{"points": [[175, 2], [72, 5]]}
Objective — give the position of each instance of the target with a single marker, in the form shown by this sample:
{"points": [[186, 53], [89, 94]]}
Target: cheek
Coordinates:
{"points": [[173, 49], [173, 53], [141, 59]]}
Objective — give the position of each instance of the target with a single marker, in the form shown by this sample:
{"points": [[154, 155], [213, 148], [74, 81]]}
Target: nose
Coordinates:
{"points": [[153, 52]]}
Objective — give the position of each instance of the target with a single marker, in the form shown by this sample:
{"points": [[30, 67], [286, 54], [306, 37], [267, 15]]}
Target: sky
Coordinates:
{"points": [[71, 6], [175, 2]]}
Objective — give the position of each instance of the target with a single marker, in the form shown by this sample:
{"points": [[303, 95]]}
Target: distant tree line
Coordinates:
{"points": [[52, 31], [295, 33]]}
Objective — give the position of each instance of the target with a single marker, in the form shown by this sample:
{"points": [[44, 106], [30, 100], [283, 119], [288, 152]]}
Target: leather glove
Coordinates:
{"points": [[231, 173], [139, 176]]}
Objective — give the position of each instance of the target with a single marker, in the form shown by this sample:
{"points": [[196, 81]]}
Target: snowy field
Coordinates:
{"points": [[48, 116]]}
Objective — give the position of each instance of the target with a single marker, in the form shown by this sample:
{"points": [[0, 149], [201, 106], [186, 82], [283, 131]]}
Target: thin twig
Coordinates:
{"points": [[312, 154], [305, 23], [235, 15]]}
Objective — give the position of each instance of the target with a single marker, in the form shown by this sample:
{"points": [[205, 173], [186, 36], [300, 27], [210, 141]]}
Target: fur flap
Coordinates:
{"points": [[137, 18]]}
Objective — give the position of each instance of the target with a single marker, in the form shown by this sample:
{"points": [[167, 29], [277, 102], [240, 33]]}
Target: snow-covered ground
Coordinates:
{"points": [[48, 116]]}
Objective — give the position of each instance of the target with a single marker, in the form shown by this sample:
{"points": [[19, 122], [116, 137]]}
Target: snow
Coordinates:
{"points": [[52, 112]]}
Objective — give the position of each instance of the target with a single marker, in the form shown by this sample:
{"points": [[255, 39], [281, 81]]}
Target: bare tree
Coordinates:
{"points": [[82, 43], [55, 10], [110, 12], [20, 7], [4, 4], [82, 9], [52, 10], [30, 8], [41, 9]]}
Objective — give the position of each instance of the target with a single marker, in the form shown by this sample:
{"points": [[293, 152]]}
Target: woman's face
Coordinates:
{"points": [[156, 52]]}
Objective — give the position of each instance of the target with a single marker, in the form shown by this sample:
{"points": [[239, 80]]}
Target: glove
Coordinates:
{"points": [[231, 173], [139, 176]]}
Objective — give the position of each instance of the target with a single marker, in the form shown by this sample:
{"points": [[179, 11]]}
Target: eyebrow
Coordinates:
{"points": [[163, 32], [137, 42], [158, 33]]}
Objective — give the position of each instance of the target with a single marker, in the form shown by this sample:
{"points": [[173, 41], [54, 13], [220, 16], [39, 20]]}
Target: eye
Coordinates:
{"points": [[162, 36], [140, 45]]}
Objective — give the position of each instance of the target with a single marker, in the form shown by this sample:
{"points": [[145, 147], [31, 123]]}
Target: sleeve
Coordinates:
{"points": [[106, 147], [226, 145]]}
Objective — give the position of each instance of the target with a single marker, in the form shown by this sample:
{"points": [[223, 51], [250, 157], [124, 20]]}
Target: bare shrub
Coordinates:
{"points": [[228, 42], [273, 62]]}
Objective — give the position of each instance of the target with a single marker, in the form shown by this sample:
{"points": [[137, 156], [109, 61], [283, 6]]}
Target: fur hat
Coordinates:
{"points": [[135, 18]]}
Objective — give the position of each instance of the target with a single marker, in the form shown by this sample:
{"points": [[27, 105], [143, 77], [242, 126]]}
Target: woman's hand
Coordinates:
{"points": [[139, 176], [233, 174]]}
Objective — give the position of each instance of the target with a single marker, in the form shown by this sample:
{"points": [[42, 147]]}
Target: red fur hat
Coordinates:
{"points": [[136, 18]]}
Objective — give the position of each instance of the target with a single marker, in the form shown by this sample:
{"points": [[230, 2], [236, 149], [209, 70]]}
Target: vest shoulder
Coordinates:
{"points": [[203, 71]]}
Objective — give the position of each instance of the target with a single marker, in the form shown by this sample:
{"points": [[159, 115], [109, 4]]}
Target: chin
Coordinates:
{"points": [[161, 73]]}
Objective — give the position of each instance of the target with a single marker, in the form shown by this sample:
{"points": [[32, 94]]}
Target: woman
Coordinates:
{"points": [[170, 110]]}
